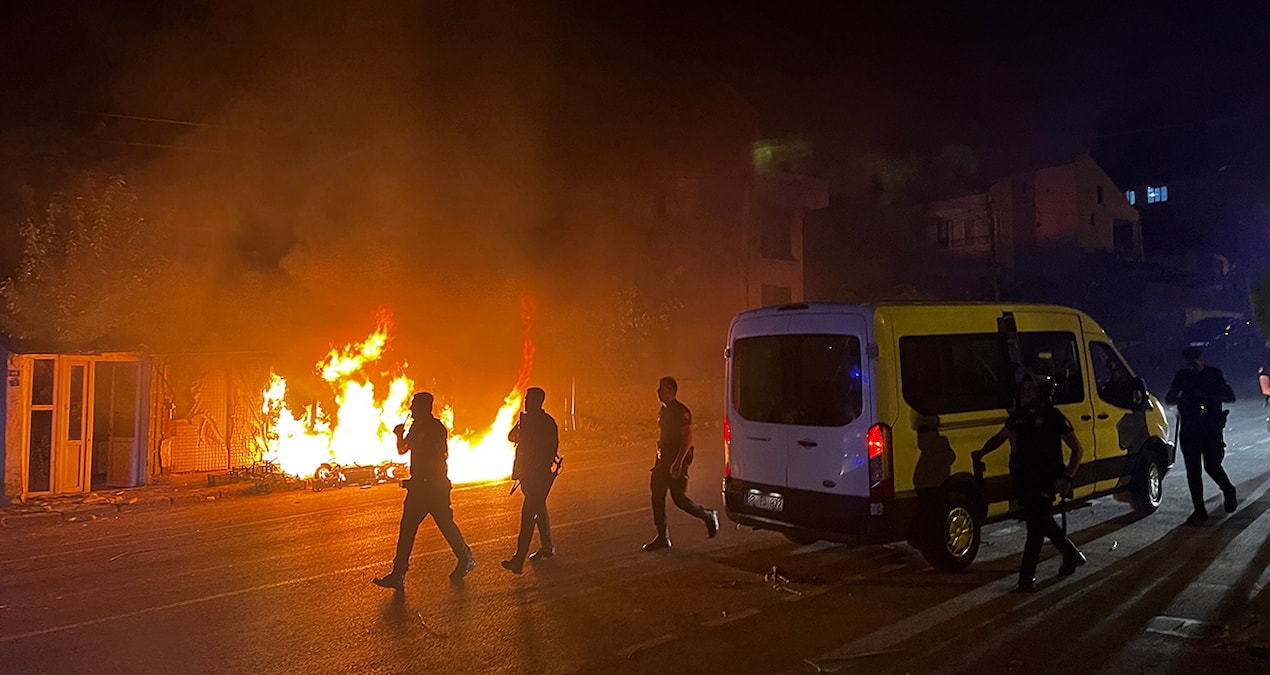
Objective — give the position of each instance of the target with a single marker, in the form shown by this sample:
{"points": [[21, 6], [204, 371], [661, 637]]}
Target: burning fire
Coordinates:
{"points": [[360, 432]]}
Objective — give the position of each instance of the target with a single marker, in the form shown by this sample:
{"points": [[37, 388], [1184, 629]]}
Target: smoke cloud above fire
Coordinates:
{"points": [[346, 161], [444, 162]]}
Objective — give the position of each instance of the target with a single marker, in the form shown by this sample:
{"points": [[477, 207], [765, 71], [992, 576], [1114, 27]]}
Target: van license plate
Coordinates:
{"points": [[762, 500]]}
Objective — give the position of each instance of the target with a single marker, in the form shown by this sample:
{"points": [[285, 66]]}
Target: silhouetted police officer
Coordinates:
{"points": [[1199, 391], [427, 492], [670, 472], [1036, 431], [537, 441]]}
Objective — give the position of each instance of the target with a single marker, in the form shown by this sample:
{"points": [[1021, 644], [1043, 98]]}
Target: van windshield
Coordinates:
{"points": [[808, 380]]}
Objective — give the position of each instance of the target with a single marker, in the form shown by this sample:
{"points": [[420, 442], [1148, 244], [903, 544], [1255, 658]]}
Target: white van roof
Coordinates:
{"points": [[807, 308], [868, 310]]}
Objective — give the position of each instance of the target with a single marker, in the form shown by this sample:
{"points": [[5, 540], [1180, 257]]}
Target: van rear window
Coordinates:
{"points": [[808, 380]]}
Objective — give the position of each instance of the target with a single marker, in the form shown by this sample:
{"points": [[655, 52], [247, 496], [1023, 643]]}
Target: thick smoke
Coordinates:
{"points": [[440, 161]]}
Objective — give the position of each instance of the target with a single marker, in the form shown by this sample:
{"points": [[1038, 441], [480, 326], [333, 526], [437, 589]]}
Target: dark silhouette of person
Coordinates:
{"points": [[427, 492], [670, 472], [935, 456], [1199, 391], [1036, 431], [537, 440]]}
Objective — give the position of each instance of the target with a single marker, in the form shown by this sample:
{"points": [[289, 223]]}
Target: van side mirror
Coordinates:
{"points": [[1141, 399]]}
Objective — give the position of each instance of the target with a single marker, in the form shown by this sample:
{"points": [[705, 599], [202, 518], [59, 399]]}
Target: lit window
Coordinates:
{"points": [[1131, 196], [1157, 194]]}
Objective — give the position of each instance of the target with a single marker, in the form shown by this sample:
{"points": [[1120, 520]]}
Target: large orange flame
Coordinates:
{"points": [[359, 432], [472, 456]]}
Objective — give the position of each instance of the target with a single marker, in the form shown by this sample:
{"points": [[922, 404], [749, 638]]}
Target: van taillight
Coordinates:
{"points": [[727, 447], [879, 442]]}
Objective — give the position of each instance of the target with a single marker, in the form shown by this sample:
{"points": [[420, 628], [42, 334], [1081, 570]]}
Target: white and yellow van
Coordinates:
{"points": [[855, 423]]}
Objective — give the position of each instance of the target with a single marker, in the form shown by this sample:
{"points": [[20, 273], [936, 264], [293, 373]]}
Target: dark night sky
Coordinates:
{"points": [[1178, 79], [1176, 82]]}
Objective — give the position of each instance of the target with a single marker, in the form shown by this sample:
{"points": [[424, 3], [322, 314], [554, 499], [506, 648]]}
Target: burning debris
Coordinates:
{"points": [[266, 475], [336, 476], [354, 444]]}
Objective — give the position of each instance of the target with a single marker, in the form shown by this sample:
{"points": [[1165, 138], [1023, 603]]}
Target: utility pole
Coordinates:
{"points": [[992, 247]]}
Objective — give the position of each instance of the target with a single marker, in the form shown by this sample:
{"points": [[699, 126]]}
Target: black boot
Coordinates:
{"points": [[515, 565], [662, 541], [463, 566], [394, 580], [1071, 560]]}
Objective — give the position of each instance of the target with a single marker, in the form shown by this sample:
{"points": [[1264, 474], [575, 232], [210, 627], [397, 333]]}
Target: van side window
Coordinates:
{"points": [[1056, 355], [942, 374], [808, 380], [1116, 385]]}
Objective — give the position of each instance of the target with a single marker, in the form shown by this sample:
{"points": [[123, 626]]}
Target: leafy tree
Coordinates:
{"points": [[82, 265]]}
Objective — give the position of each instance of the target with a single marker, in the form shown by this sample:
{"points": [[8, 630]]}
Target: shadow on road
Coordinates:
{"points": [[392, 613], [1091, 617]]}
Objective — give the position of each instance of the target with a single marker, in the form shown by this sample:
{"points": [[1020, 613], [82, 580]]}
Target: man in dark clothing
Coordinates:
{"points": [[428, 492], [670, 473], [1199, 392], [537, 439], [1036, 431]]}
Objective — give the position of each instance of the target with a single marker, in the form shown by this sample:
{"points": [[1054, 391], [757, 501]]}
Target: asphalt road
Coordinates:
{"points": [[281, 584]]}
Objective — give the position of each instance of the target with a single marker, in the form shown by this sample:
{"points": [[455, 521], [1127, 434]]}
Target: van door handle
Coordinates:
{"points": [[1085, 418], [758, 438], [1102, 416], [808, 444]]}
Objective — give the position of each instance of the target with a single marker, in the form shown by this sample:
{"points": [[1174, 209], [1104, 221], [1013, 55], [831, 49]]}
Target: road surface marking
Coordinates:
{"points": [[921, 622], [277, 584], [77, 548], [1179, 627]]}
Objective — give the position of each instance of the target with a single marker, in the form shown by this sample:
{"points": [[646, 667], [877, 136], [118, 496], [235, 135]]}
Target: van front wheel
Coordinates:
{"points": [[1146, 489], [952, 531]]}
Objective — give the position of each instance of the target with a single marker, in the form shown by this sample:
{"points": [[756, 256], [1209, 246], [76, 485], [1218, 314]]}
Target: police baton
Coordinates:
{"points": [[1177, 424], [1062, 512], [1062, 502]]}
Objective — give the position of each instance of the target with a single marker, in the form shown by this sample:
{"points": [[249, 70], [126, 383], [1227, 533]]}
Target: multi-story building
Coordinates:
{"points": [[782, 193], [1038, 223], [739, 239]]}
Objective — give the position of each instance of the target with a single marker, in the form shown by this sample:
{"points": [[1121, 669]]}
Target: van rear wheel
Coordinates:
{"points": [[1146, 489], [952, 532]]}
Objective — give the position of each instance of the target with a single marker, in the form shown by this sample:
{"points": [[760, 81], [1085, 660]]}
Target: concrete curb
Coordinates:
{"points": [[29, 519], [80, 512]]}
